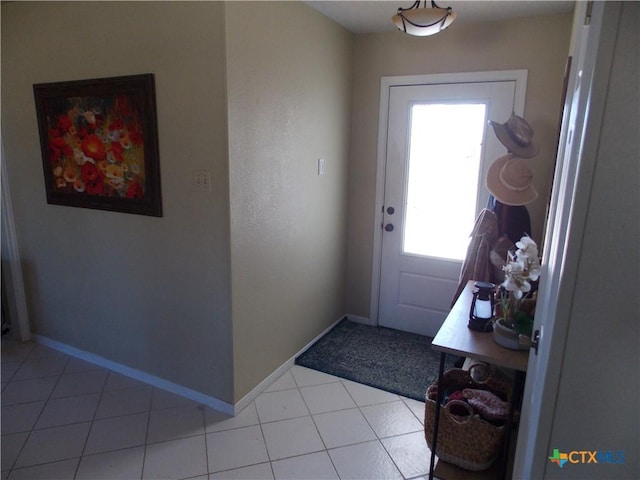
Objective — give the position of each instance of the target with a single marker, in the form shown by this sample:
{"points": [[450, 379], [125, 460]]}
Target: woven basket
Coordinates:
{"points": [[466, 440]]}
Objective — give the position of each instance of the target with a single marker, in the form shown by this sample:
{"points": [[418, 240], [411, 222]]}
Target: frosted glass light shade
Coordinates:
{"points": [[423, 21], [483, 309]]}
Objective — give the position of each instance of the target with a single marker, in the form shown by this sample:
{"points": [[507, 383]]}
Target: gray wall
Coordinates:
{"points": [[538, 44], [599, 390]]}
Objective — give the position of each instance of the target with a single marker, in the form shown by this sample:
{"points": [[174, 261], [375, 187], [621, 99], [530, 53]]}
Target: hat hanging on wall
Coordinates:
{"points": [[517, 135], [510, 180]]}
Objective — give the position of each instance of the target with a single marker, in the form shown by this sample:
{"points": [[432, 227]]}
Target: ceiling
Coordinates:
{"points": [[375, 16]]}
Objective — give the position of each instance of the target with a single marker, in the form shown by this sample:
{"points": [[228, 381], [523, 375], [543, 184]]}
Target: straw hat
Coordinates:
{"points": [[510, 180], [517, 135]]}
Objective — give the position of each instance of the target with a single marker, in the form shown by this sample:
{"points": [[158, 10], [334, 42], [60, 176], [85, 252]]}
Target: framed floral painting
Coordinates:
{"points": [[99, 143]]}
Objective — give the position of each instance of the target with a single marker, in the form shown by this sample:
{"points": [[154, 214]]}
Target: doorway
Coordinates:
{"points": [[14, 305], [436, 150]]}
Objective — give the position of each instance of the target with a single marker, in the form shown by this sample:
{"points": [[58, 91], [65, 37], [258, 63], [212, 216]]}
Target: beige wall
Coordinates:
{"points": [[538, 44], [155, 293], [203, 295], [150, 293], [289, 84]]}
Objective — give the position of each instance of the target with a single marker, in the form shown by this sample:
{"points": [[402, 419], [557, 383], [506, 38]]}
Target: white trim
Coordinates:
{"points": [[17, 292], [520, 78], [580, 135], [263, 385], [158, 382]]}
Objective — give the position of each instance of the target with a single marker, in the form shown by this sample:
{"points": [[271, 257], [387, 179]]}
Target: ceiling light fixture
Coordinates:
{"points": [[423, 21]]}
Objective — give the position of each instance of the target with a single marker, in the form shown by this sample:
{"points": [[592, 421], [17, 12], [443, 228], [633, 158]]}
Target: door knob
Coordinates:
{"points": [[389, 227], [391, 210], [535, 341]]}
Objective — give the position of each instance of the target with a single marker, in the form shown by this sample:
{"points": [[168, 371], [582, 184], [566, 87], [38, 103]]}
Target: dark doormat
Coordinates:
{"points": [[398, 362]]}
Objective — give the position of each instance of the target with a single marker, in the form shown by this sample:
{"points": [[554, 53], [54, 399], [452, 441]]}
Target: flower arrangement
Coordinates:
{"points": [[95, 146], [521, 269]]}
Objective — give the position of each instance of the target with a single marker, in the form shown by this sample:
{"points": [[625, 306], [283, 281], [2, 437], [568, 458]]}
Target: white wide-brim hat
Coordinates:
{"points": [[510, 180]]}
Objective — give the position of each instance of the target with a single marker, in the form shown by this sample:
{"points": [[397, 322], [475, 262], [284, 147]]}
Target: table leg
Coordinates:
{"points": [[436, 419], [516, 396]]}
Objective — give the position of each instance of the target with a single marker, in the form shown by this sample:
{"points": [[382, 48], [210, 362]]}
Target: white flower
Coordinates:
{"points": [[522, 268], [534, 273], [526, 243]]}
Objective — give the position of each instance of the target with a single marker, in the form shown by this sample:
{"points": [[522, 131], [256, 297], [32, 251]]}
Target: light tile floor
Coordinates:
{"points": [[63, 418]]}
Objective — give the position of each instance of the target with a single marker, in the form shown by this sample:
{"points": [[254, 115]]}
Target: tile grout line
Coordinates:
{"points": [[21, 363], [326, 449], [93, 419], [203, 417], [264, 439], [26, 440], [204, 431], [146, 434], [378, 439]]}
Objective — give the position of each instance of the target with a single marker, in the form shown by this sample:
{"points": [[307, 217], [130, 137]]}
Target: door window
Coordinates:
{"points": [[445, 147]]}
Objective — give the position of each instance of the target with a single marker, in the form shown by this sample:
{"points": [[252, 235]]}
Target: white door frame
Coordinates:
{"points": [[592, 54], [15, 292], [520, 78]]}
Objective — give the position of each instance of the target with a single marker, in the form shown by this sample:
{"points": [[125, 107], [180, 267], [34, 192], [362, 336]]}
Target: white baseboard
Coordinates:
{"points": [[262, 386], [158, 382]]}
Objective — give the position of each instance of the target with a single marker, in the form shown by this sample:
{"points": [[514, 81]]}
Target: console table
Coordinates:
{"points": [[455, 338]]}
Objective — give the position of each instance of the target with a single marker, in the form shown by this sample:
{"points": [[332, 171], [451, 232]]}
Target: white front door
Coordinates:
{"points": [[438, 148]]}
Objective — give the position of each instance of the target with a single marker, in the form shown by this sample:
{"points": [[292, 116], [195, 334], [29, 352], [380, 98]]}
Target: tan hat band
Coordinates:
{"points": [[510, 180], [523, 173]]}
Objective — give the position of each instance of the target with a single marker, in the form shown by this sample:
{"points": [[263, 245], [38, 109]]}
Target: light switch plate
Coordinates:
{"points": [[202, 179]]}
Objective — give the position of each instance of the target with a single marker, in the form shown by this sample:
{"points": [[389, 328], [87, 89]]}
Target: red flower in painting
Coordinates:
{"points": [[83, 133], [64, 123], [117, 124], [54, 153], [90, 173], [57, 142], [122, 104], [93, 147], [58, 146], [135, 190], [94, 188], [92, 178], [135, 136], [117, 150], [67, 151]]}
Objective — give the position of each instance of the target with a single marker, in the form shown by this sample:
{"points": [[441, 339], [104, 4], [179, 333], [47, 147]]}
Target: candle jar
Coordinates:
{"points": [[482, 307]]}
